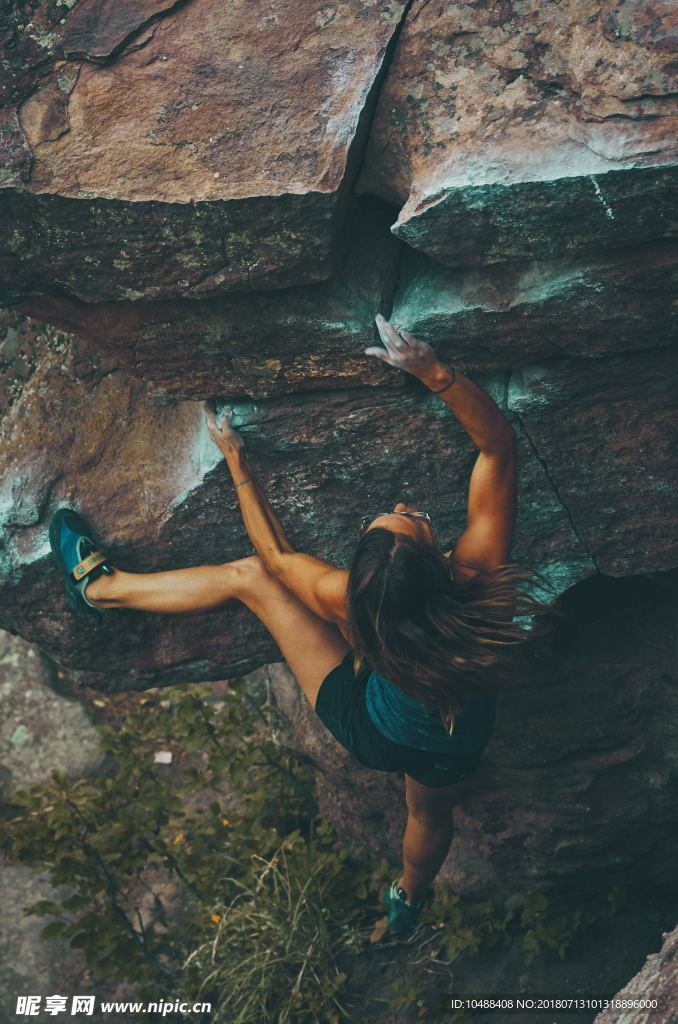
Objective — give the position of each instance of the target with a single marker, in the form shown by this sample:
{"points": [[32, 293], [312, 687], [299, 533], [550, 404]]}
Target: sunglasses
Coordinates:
{"points": [[366, 520]]}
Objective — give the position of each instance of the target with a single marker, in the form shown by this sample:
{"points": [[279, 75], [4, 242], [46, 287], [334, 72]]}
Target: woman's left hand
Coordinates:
{"points": [[222, 433]]}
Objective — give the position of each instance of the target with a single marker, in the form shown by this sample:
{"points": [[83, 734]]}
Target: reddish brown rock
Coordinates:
{"points": [[290, 340], [529, 130], [511, 314], [29, 39], [78, 432], [655, 985], [605, 432], [191, 160], [97, 30]]}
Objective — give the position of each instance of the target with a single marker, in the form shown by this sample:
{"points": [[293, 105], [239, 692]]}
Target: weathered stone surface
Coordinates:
{"points": [[307, 338], [605, 431], [513, 313], [156, 488], [17, 157], [29, 965], [191, 160], [29, 38], [657, 980], [578, 780], [590, 349], [39, 731], [97, 30], [529, 130], [155, 155]]}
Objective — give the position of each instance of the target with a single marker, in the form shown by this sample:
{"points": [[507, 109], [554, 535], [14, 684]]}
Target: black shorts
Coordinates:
{"points": [[341, 706]]}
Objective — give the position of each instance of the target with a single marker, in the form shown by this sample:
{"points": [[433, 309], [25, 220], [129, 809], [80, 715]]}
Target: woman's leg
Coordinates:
{"points": [[176, 591], [310, 646], [428, 835]]}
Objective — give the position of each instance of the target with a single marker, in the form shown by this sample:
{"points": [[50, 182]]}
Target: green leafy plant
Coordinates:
{"points": [[403, 992], [547, 924], [215, 878]]}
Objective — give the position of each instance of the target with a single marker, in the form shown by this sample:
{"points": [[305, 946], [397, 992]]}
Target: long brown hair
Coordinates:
{"points": [[429, 635]]}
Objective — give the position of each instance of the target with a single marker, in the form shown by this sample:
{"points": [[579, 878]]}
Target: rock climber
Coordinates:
{"points": [[396, 654]]}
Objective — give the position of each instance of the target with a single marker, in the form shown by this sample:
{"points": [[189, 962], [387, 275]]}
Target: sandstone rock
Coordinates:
{"points": [[307, 338], [593, 384], [578, 781], [176, 151], [157, 490], [97, 30], [17, 157], [513, 313], [529, 130], [657, 980], [29, 38]]}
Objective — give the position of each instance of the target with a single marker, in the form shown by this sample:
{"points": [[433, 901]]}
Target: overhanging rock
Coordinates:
{"points": [[172, 149], [511, 314], [529, 131], [78, 432], [311, 337], [605, 431]]}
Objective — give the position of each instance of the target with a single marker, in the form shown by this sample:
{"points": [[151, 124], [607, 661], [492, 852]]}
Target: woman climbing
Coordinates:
{"points": [[398, 653]]}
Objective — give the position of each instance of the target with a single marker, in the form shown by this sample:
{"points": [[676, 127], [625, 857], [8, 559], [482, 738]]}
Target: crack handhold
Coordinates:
{"points": [[542, 462]]}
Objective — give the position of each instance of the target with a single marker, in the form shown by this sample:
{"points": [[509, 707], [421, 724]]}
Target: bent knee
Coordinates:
{"points": [[252, 576]]}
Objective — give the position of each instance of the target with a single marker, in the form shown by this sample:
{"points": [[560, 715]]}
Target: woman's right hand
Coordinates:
{"points": [[405, 352], [225, 437]]}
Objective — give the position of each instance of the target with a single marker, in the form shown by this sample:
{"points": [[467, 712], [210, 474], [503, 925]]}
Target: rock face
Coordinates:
{"points": [[177, 191], [513, 314], [529, 130], [40, 731], [295, 339], [658, 980], [170, 149], [157, 490]]}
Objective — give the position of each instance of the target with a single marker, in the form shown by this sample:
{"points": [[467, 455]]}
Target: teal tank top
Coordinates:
{"points": [[405, 720]]}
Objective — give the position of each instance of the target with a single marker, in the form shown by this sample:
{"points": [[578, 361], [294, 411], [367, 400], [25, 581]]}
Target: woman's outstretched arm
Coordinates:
{"points": [[491, 509], [320, 585], [262, 525]]}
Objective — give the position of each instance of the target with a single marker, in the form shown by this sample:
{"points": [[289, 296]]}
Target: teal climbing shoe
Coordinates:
{"points": [[76, 553], [403, 914]]}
